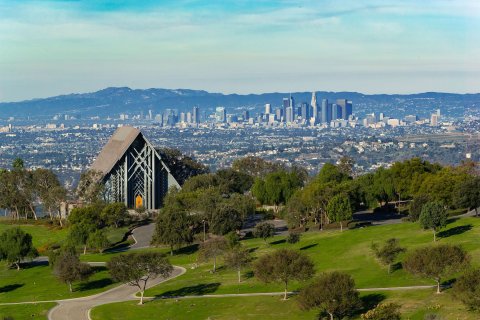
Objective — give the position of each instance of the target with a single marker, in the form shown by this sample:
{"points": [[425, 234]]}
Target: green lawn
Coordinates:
{"points": [[348, 251], [39, 284], [415, 305], [42, 235], [26, 311]]}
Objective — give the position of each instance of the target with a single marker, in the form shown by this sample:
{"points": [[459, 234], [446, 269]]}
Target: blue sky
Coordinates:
{"points": [[54, 47]]}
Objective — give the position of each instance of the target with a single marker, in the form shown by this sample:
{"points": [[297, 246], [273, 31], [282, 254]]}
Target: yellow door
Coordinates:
{"points": [[138, 201]]}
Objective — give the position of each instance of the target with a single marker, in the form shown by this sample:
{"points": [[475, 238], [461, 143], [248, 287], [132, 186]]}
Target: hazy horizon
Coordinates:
{"points": [[49, 48]]}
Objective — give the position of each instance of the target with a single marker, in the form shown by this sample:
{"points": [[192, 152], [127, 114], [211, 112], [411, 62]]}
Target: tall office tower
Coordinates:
{"points": [[381, 116], [342, 103], [438, 113], [326, 112], [305, 111], [182, 117], [434, 120], [196, 115], [220, 114], [289, 115], [314, 106], [279, 113], [150, 116], [189, 117], [292, 102], [349, 108], [246, 115], [336, 111], [268, 108], [285, 105]]}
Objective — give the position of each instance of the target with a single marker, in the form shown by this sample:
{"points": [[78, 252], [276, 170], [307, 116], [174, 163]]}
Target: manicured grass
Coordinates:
{"points": [[347, 251], [42, 235], [26, 311], [39, 284], [414, 306], [214, 308], [115, 235]]}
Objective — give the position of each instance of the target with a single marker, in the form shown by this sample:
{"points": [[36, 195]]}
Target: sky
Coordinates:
{"points": [[51, 47]]}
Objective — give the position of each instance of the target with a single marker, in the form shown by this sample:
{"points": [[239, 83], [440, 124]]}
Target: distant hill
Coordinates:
{"points": [[116, 100]]}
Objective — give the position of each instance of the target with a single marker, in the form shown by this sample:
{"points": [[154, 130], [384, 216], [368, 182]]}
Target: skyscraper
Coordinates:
{"points": [[305, 111], [326, 111], [285, 105], [289, 115], [220, 114], [279, 113], [246, 115], [196, 115], [314, 106], [268, 108], [336, 111]]}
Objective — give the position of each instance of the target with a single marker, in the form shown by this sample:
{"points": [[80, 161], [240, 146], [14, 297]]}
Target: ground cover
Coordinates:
{"points": [[37, 311]]}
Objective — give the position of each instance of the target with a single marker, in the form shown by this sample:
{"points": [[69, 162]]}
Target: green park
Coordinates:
{"points": [[255, 241]]}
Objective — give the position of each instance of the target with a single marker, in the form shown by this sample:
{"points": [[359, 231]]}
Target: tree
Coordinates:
{"points": [[68, 268], [345, 166], [293, 237], [173, 224], [115, 214], [15, 245], [264, 230], [384, 311], [436, 262], [256, 166], [137, 268], [237, 259], [283, 265], [331, 173], [433, 216], [226, 218], [98, 241], [339, 209], [469, 194], [333, 293], [388, 252], [50, 191], [233, 240], [416, 206], [211, 249], [90, 187], [18, 163], [231, 181], [467, 289], [79, 234]]}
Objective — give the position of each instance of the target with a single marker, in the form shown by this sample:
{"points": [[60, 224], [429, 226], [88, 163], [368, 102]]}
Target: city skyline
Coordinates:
{"points": [[58, 47]]}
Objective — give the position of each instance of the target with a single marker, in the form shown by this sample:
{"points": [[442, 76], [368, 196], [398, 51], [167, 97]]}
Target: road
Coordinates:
{"points": [[79, 309], [143, 236]]}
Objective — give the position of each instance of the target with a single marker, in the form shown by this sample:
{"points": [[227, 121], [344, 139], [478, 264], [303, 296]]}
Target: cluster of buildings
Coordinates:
{"points": [[379, 120]]}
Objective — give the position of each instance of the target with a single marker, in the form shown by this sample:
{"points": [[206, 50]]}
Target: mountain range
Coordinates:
{"points": [[115, 100]]}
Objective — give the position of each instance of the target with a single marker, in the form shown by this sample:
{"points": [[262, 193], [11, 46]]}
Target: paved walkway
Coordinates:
{"points": [[79, 308], [143, 236]]}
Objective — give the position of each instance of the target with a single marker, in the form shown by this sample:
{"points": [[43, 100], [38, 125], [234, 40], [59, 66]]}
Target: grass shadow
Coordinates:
{"points": [[191, 249], [32, 264], [396, 266], [120, 247], [11, 287], [370, 301], [248, 275], [455, 231], [96, 284], [309, 246], [199, 289], [252, 250], [278, 241]]}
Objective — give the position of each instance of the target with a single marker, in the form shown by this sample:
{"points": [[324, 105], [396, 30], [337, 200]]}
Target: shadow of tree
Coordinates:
{"points": [[11, 287], [309, 246], [278, 241], [248, 275], [370, 301], [187, 250], [96, 284], [455, 231], [396, 266], [199, 289], [252, 250]]}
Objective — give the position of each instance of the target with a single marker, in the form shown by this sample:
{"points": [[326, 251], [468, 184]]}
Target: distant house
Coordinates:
{"points": [[136, 173]]}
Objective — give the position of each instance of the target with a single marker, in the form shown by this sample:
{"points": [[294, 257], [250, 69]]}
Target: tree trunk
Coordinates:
{"points": [[341, 226], [476, 212], [171, 250], [141, 297], [239, 275], [70, 286], [17, 264], [34, 213], [434, 236], [285, 293], [84, 249], [215, 264], [438, 286], [331, 315]]}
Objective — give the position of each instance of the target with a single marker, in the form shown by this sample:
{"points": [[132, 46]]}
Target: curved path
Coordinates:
{"points": [[142, 236], [79, 308]]}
